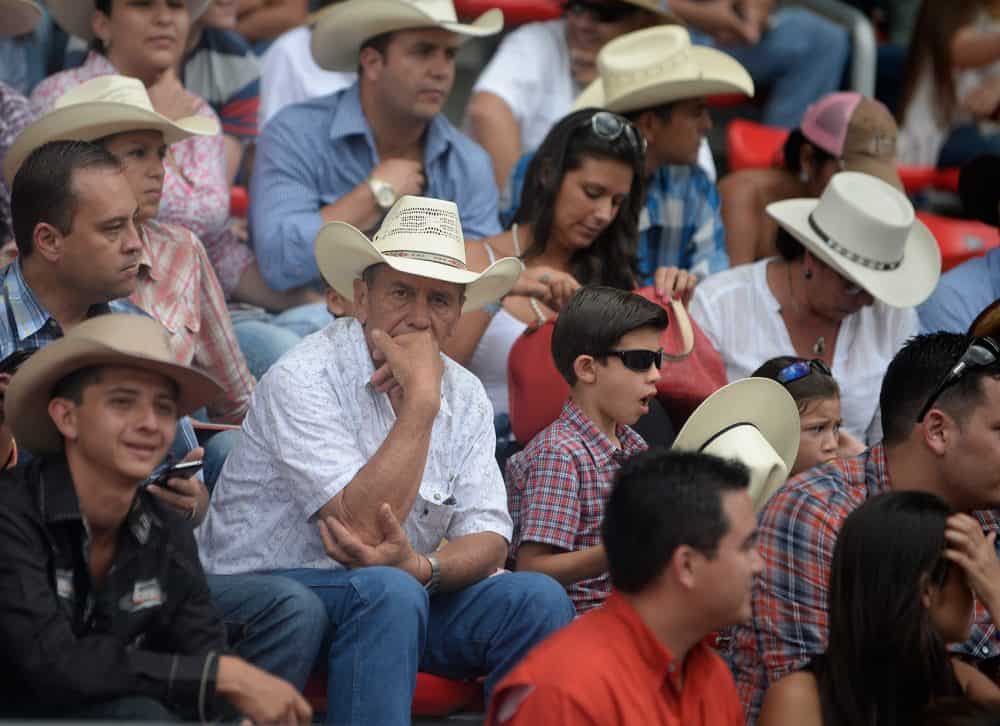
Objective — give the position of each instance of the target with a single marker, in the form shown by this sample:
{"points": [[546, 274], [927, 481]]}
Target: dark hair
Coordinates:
{"points": [[788, 247], [370, 273], [805, 390], [791, 152], [915, 372], [73, 384], [595, 319], [661, 500], [663, 111], [960, 712], [378, 43], [613, 258], [43, 190], [884, 661]]}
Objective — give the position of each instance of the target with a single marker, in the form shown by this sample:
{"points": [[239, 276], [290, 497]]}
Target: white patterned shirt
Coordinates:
{"points": [[314, 422]]}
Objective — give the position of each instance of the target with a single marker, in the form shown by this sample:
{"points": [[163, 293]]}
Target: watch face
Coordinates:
{"points": [[385, 196]]}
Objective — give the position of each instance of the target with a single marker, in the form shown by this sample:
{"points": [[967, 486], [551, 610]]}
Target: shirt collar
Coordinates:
{"points": [[29, 315], [596, 440], [876, 470], [145, 255]]}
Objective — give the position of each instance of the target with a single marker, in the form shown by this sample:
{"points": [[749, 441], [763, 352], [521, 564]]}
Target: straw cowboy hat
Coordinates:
{"points": [[116, 339], [419, 236], [866, 230], [658, 65], [342, 29], [19, 17], [100, 107], [752, 420], [74, 16]]}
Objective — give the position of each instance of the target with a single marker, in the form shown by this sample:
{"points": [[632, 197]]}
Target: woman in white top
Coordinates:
{"points": [[853, 265]]}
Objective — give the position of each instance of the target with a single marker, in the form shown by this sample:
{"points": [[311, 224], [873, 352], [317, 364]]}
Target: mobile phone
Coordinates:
{"points": [[182, 470], [15, 360]]}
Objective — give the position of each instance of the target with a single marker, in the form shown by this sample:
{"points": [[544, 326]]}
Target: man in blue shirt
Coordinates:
{"points": [[348, 156]]}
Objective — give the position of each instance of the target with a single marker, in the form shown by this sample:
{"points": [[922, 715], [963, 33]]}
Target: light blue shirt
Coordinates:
{"points": [[961, 294], [311, 154]]}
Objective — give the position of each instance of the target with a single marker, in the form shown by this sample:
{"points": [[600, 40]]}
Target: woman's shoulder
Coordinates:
{"points": [[793, 699]]}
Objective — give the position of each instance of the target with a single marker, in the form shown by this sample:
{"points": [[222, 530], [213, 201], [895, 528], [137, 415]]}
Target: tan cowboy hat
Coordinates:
{"points": [[752, 420], [74, 16], [658, 65], [866, 230], [19, 17], [116, 339], [420, 236], [101, 107], [341, 30], [987, 323]]}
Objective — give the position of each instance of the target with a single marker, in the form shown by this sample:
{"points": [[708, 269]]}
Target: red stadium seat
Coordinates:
{"points": [[750, 145], [959, 239], [239, 201], [435, 697], [515, 12]]}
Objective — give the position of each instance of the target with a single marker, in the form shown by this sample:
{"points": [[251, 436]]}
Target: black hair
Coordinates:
{"points": [[884, 660], [43, 188], [791, 152], [73, 384], [595, 319], [370, 273], [378, 43], [660, 501], [815, 386], [612, 259], [663, 112], [916, 371], [789, 248]]}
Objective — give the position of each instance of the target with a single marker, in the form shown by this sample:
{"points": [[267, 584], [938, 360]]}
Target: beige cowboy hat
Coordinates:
{"points": [[752, 420], [658, 65], [987, 323], [19, 17], [74, 16], [342, 29], [420, 236], [866, 230], [101, 107], [116, 339]]}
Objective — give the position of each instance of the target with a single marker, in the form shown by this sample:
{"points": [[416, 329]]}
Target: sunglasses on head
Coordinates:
{"points": [[981, 353], [802, 368], [610, 127], [605, 14], [638, 360]]}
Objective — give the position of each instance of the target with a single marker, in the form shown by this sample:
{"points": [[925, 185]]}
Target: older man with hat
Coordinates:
{"points": [[349, 156], [104, 609], [366, 470]]}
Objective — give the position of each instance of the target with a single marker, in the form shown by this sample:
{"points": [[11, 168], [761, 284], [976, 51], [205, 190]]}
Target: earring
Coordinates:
{"points": [[808, 274]]}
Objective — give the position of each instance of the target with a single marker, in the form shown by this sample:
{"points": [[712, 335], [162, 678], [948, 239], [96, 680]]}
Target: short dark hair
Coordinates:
{"points": [[815, 386], [74, 384], [663, 112], [915, 372], [370, 273], [42, 190], [595, 319], [661, 500], [378, 43]]}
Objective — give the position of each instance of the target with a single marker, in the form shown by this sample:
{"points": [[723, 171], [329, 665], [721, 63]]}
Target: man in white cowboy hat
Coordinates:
{"points": [[120, 623], [349, 156], [364, 450], [940, 400]]}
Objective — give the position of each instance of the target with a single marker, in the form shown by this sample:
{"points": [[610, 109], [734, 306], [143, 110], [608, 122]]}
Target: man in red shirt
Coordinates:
{"points": [[681, 541]]}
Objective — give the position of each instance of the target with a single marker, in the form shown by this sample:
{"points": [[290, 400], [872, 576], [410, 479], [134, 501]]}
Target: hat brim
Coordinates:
{"points": [[720, 73], [74, 16], [342, 29], [987, 323], [979, 189], [343, 253], [760, 402], [907, 286], [883, 169], [19, 17], [27, 401], [95, 120]]}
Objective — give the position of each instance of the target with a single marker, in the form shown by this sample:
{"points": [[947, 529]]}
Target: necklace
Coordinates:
{"points": [[819, 347], [539, 313]]}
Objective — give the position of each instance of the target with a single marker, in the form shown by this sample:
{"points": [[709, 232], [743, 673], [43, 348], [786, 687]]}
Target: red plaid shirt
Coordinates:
{"points": [[797, 531], [557, 487]]}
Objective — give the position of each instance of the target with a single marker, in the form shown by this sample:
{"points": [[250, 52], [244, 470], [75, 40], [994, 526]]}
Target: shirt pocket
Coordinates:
{"points": [[435, 506]]}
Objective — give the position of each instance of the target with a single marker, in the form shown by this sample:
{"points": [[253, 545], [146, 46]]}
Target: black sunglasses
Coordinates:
{"points": [[614, 13], [638, 360], [981, 353], [802, 368], [610, 127]]}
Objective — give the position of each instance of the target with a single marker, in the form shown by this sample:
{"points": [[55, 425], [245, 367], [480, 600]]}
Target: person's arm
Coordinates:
{"points": [[469, 559], [976, 685], [359, 208], [743, 217], [474, 191], [973, 47], [793, 699], [718, 18], [562, 566], [492, 124], [272, 18]]}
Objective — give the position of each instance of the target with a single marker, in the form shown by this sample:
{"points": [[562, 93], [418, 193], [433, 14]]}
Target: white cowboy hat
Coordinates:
{"points": [[420, 236], [116, 339], [341, 30], [658, 65], [752, 420], [866, 230], [74, 16], [101, 107], [19, 17]]}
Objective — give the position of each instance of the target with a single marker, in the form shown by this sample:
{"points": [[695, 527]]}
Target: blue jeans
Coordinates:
{"points": [[264, 337], [276, 623], [800, 58], [385, 628], [964, 144]]}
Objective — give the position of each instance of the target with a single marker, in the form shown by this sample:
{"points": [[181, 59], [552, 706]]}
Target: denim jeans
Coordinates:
{"points": [[264, 337], [278, 624], [965, 143], [385, 628], [799, 58]]}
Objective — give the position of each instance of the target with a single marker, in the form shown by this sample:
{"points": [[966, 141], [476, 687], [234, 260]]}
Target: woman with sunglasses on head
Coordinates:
{"points": [[852, 266], [902, 580]]}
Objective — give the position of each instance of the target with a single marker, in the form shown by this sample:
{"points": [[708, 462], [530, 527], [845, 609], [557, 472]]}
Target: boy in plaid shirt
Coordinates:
{"points": [[606, 344]]}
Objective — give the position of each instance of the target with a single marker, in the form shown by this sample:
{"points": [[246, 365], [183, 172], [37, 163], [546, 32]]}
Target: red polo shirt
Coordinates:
{"points": [[608, 667]]}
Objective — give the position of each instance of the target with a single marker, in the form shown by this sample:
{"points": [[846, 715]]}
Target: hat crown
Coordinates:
{"points": [[651, 55], [443, 11], [108, 89], [423, 228], [135, 335], [745, 443]]}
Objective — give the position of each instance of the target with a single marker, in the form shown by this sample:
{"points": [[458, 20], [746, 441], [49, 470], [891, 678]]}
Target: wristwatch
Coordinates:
{"points": [[385, 195], [435, 580]]}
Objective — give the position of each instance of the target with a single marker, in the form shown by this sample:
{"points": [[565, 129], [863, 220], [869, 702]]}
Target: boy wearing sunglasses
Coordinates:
{"points": [[606, 344]]}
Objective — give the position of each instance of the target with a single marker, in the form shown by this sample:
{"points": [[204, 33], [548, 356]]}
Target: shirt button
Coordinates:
{"points": [[985, 650], [437, 497]]}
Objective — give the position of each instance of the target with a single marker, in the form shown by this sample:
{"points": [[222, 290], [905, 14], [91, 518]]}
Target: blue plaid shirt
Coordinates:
{"points": [[680, 226], [25, 324]]}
